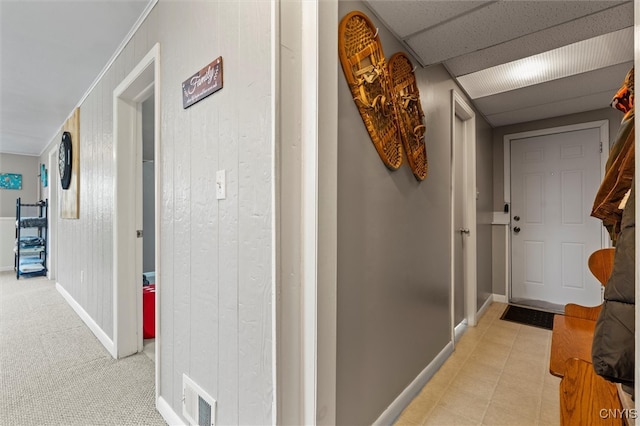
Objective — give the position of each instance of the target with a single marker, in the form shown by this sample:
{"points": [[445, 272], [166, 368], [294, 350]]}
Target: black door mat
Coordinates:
{"points": [[528, 316]]}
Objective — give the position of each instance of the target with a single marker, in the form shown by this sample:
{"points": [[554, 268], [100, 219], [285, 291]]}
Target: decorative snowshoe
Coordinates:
{"points": [[409, 113], [365, 69]]}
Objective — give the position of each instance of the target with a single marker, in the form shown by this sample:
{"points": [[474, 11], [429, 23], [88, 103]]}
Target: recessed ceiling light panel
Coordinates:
{"points": [[588, 55]]}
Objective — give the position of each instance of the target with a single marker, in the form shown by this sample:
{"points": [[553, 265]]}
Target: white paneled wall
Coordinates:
{"points": [[216, 266], [7, 238]]}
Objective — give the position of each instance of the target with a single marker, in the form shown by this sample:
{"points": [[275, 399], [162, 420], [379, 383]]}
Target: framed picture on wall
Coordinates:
{"points": [[10, 181], [43, 176]]}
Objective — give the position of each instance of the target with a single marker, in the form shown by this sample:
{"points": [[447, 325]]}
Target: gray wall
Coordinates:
{"points": [[612, 115], [28, 167], [394, 247], [484, 208], [216, 285]]}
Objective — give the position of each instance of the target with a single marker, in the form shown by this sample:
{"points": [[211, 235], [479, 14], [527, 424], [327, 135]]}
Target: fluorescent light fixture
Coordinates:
{"points": [[587, 55], [528, 70]]}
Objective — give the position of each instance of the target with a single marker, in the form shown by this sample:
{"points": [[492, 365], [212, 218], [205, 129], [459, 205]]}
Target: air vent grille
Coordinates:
{"points": [[198, 407]]}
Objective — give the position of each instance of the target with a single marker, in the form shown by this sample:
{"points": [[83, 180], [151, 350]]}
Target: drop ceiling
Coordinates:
{"points": [[52, 51], [482, 43]]}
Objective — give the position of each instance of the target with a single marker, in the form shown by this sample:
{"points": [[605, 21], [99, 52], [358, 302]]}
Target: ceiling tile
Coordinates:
{"points": [[556, 109], [587, 55], [609, 20], [406, 17], [605, 80], [497, 23]]}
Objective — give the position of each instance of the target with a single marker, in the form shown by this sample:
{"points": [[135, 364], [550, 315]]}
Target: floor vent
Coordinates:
{"points": [[197, 406]]}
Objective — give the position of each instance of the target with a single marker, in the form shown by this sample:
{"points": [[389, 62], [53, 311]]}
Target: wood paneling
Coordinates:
{"points": [[215, 282], [70, 198]]}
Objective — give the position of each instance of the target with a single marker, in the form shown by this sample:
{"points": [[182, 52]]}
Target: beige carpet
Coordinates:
{"points": [[53, 371]]}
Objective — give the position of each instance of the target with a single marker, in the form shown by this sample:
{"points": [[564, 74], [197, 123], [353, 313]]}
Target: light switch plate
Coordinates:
{"points": [[221, 185]]}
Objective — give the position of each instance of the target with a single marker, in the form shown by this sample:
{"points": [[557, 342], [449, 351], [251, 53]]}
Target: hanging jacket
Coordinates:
{"points": [[620, 167], [613, 348]]}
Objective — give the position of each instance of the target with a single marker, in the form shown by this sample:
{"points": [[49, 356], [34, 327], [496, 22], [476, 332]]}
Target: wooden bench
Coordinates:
{"points": [[601, 265], [586, 398], [579, 311], [571, 338]]}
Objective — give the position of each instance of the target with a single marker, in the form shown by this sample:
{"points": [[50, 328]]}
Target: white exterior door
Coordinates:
{"points": [[554, 179]]}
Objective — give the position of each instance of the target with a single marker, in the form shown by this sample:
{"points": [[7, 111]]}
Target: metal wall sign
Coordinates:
{"points": [[202, 84]]}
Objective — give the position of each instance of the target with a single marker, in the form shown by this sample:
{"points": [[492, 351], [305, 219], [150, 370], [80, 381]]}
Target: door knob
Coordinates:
{"points": [[516, 229], [464, 231]]}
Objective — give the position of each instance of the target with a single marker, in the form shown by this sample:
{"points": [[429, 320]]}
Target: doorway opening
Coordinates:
{"points": [[52, 225], [463, 220], [141, 85], [148, 227]]}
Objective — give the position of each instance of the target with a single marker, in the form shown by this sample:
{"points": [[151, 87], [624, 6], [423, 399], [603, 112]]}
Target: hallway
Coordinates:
{"points": [[54, 371], [498, 375]]}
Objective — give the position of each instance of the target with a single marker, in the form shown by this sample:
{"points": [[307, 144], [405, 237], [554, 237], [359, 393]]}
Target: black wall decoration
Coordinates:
{"points": [[65, 160]]}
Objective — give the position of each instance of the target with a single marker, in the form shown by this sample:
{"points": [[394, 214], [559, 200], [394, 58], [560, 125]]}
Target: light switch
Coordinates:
{"points": [[221, 185]]}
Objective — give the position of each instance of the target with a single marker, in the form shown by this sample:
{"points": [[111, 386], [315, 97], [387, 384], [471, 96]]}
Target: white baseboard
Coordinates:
{"points": [[500, 298], [392, 412], [93, 326], [484, 307], [459, 329], [171, 417]]}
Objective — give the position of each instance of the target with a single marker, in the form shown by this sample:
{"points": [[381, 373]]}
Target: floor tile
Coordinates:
{"points": [[478, 372], [442, 417], [522, 395], [499, 414], [497, 375]]}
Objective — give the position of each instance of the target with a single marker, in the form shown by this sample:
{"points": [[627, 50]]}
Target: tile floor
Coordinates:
{"points": [[497, 375]]}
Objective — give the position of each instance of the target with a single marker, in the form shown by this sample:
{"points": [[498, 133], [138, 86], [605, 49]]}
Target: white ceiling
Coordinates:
{"points": [[471, 36], [51, 53]]}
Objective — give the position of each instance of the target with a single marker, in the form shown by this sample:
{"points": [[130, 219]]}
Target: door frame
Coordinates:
{"points": [[602, 125], [461, 109], [52, 215], [305, 196], [128, 96]]}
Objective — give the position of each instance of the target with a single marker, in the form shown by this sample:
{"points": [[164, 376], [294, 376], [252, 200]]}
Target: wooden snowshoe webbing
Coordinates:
{"points": [[364, 53]]}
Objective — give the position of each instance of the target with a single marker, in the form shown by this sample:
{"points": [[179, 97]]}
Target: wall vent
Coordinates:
{"points": [[198, 407]]}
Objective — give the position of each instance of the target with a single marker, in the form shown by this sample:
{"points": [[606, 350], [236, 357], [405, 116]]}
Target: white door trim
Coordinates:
{"points": [[460, 108], [327, 208], [127, 288], [602, 125], [306, 210], [309, 133]]}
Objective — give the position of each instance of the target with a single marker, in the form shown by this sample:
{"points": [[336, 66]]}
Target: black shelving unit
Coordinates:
{"points": [[31, 250]]}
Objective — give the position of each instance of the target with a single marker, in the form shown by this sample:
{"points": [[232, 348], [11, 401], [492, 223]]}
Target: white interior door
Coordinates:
{"points": [[127, 246], [554, 179], [463, 216], [459, 223]]}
